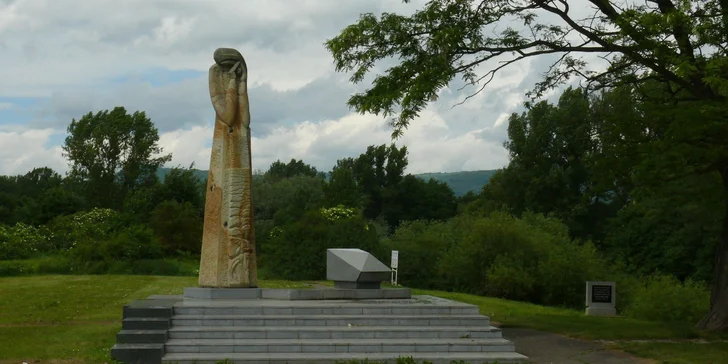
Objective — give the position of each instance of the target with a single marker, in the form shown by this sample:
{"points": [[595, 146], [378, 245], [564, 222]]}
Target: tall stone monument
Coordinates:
{"points": [[228, 239]]}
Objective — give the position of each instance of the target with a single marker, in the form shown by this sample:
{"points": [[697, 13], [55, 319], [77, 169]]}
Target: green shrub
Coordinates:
{"points": [[178, 226], [11, 268], [665, 298], [85, 227], [64, 265], [528, 259], [23, 241], [297, 250]]}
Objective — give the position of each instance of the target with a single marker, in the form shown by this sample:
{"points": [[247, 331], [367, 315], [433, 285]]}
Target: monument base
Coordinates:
{"points": [[222, 293], [292, 294], [598, 311], [357, 285]]}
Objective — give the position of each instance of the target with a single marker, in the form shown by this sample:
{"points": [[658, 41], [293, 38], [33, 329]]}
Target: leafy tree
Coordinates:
{"points": [[36, 197], [286, 198], [113, 153], [678, 44], [184, 185], [341, 188], [376, 181], [377, 172], [178, 226], [419, 199], [279, 170]]}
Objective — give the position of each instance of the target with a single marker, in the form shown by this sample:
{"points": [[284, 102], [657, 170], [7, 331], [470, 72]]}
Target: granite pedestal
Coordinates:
{"points": [[185, 330]]}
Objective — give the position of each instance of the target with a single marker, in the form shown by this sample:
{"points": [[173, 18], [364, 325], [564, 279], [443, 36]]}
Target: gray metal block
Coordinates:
{"points": [[355, 265]]}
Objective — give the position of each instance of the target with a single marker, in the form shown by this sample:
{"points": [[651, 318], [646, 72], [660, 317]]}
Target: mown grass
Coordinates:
{"points": [[573, 323], [73, 319]]}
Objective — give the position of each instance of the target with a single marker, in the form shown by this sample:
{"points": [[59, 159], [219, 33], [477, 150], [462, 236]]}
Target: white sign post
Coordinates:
{"points": [[395, 266]]}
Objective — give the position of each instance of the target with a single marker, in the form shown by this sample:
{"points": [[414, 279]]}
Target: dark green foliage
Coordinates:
{"points": [[279, 170], [178, 226], [36, 197], [297, 251], [665, 298], [130, 243], [376, 183], [65, 265], [530, 259]]}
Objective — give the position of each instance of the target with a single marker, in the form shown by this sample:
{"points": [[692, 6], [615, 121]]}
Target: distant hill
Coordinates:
{"points": [[161, 172], [460, 182]]}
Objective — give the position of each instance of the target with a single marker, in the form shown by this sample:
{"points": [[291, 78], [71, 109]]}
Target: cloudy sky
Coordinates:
{"points": [[61, 59]]}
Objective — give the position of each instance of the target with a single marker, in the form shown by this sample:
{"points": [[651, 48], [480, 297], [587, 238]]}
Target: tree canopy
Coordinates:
{"points": [[670, 51], [680, 43]]}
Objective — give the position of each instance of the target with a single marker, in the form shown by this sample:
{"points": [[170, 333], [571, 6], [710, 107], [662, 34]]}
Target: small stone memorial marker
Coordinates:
{"points": [[600, 298]]}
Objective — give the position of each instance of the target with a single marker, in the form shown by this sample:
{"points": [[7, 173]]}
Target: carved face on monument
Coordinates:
{"points": [[226, 58]]}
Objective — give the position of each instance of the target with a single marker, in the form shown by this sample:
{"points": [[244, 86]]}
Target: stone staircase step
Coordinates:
{"points": [[145, 323], [347, 309], [134, 311], [332, 332], [329, 320], [331, 358], [336, 345], [141, 336], [138, 353]]}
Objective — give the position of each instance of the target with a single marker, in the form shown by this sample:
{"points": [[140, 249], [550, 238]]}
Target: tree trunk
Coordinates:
{"points": [[717, 317]]}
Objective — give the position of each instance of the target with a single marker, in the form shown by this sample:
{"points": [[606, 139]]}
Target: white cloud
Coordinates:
{"points": [[76, 55], [23, 150], [430, 146]]}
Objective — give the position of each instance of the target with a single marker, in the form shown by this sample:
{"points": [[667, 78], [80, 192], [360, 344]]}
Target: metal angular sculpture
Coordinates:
{"points": [[228, 242], [355, 268]]}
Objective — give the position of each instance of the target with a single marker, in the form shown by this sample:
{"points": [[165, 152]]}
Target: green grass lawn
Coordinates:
{"points": [[74, 319]]}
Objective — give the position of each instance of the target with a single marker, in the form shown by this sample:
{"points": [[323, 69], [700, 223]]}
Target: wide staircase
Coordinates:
{"points": [[333, 331]]}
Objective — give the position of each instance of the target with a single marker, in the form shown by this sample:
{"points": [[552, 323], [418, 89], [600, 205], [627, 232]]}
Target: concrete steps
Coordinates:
{"points": [[333, 358], [357, 332], [268, 331], [329, 320], [336, 345]]}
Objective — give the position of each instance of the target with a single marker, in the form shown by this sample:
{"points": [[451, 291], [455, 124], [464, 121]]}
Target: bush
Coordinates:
{"points": [[665, 298], [23, 241], [178, 226], [297, 251], [132, 243], [85, 227], [528, 259], [63, 265]]}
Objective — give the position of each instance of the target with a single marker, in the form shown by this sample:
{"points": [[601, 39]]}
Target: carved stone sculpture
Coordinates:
{"points": [[228, 240]]}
